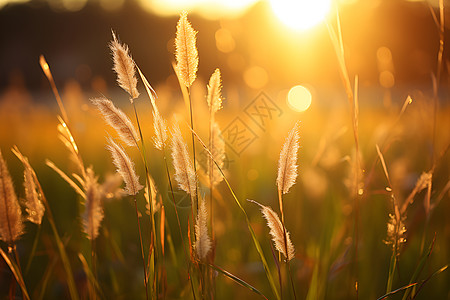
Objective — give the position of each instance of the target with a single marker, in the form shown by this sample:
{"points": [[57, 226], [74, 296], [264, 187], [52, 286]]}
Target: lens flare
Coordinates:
{"points": [[299, 98], [300, 14]]}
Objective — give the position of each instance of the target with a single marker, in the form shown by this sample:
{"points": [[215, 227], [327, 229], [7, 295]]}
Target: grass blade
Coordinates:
{"points": [[397, 290], [420, 267], [16, 272], [90, 276], [237, 280]]}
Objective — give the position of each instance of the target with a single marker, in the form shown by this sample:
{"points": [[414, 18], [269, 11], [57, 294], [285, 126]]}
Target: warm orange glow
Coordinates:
{"points": [[300, 14], [299, 98], [210, 9], [256, 77]]}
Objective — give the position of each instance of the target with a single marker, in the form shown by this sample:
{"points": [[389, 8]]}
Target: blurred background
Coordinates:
{"points": [[277, 54]]}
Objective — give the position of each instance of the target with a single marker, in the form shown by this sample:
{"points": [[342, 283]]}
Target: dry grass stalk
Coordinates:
{"points": [[11, 225], [118, 120], [186, 52], [287, 163], [46, 68], [125, 167], [214, 97], [202, 244], [277, 232], [33, 204], [184, 171], [66, 178], [93, 214], [124, 67]]}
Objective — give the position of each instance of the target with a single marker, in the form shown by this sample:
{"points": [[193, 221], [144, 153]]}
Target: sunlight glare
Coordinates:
{"points": [[300, 14], [299, 98]]}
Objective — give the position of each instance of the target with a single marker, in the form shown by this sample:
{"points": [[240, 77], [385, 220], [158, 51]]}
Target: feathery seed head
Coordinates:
{"points": [[202, 244], [33, 204], [152, 198], [160, 127], [396, 231], [277, 231], [184, 171], [124, 67], [93, 213], [118, 120], [214, 97], [186, 53], [11, 225], [125, 167], [287, 163]]}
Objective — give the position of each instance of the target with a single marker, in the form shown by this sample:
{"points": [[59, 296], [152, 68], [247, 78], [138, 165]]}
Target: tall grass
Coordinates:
{"points": [[337, 220]]}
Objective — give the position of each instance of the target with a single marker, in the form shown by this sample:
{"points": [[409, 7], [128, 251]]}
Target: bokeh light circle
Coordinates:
{"points": [[299, 98]]}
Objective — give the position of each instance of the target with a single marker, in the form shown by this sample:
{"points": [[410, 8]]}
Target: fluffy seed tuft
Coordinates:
{"points": [[11, 225], [124, 67], [125, 167], [186, 52], [287, 164]]}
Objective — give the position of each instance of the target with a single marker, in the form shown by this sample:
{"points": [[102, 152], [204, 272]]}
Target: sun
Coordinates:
{"points": [[300, 14]]}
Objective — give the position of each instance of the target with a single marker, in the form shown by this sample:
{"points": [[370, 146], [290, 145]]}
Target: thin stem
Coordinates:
{"points": [[94, 268], [142, 247], [33, 249], [292, 280], [152, 221], [247, 220], [178, 221], [62, 252], [280, 201], [193, 144]]}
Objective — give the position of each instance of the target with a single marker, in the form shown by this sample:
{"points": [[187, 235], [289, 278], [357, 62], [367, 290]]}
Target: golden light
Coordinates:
{"points": [[209, 9], [299, 98], [300, 14]]}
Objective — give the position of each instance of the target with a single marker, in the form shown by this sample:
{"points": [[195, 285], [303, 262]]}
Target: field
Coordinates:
{"points": [[201, 188]]}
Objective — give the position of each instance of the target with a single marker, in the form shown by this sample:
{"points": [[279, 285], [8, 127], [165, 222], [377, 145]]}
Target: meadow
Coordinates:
{"points": [[182, 193]]}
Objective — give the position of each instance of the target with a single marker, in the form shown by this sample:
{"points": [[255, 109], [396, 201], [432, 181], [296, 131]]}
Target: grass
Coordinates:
{"points": [[347, 190]]}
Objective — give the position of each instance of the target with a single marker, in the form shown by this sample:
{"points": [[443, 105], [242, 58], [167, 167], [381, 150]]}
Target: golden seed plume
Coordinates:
{"points": [[125, 167], [184, 171], [111, 187], [11, 225], [160, 127], [118, 120], [93, 213], [186, 52], [276, 231], [396, 230], [202, 244], [33, 204], [153, 200], [287, 164], [217, 148], [124, 67], [214, 97]]}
